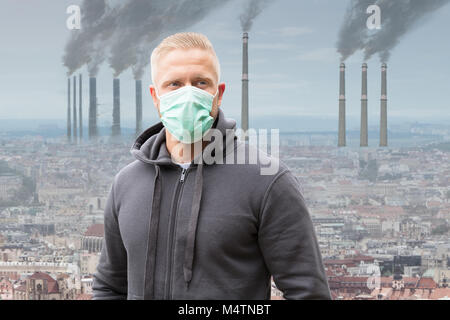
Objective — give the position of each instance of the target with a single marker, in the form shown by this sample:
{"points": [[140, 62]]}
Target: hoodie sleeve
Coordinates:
{"points": [[288, 241], [110, 279]]}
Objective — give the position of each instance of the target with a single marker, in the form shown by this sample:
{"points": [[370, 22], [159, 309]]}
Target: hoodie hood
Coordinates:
{"points": [[150, 145], [150, 148]]}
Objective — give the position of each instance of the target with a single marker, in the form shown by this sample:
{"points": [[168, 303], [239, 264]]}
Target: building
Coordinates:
{"points": [[440, 276], [9, 184], [39, 286], [6, 289], [17, 268], [373, 226], [42, 286], [92, 239]]}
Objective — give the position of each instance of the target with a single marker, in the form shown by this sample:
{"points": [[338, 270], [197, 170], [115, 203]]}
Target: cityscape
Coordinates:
{"points": [[382, 207], [357, 90]]}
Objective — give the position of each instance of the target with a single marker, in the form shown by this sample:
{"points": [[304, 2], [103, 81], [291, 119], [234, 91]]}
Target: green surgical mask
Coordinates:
{"points": [[185, 112]]}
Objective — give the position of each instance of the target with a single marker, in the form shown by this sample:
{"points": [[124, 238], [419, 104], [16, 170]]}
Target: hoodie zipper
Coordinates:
{"points": [[173, 218]]}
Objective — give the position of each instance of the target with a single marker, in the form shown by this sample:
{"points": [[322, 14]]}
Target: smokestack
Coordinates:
{"points": [[116, 108], [92, 108], [341, 138], [383, 112], [244, 111], [80, 110], [75, 109], [364, 129], [138, 107], [69, 121]]}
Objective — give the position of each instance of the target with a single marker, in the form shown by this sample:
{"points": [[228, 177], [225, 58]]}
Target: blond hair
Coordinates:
{"points": [[183, 40]]}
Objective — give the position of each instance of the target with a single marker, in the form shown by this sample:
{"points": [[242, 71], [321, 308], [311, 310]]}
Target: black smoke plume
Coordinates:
{"points": [[398, 17]]}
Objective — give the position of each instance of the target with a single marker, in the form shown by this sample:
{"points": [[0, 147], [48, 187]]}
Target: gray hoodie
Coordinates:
{"points": [[211, 231]]}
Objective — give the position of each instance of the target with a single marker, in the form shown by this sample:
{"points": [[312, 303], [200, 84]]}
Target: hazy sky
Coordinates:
{"points": [[294, 67]]}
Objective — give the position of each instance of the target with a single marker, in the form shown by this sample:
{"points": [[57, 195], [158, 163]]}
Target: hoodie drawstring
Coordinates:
{"points": [[153, 235], [192, 227]]}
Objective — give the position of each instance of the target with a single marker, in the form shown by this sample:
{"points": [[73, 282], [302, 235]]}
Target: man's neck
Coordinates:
{"points": [[180, 151]]}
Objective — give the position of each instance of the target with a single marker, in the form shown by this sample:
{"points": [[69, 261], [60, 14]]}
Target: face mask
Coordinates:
{"points": [[185, 113]]}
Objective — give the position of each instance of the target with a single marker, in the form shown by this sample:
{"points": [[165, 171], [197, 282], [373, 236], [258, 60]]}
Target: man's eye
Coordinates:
{"points": [[202, 83], [173, 84]]}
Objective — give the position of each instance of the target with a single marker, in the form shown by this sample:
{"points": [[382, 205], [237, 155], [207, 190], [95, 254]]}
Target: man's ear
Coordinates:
{"points": [[220, 94], [155, 98]]}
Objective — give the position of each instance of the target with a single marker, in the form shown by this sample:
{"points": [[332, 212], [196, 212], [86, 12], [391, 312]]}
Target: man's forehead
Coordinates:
{"points": [[186, 62]]}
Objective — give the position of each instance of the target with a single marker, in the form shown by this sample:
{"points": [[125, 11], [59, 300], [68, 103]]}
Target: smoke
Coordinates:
{"points": [[85, 45], [398, 18], [353, 31], [142, 22], [126, 33], [252, 10]]}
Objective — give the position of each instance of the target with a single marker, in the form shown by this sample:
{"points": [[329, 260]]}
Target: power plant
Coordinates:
{"points": [[92, 108], [69, 124], [80, 110], [244, 111], [73, 124], [75, 109], [383, 111], [364, 118], [364, 139], [341, 138], [116, 108]]}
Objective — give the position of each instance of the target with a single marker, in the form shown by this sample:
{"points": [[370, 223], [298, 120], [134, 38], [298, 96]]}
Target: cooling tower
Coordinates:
{"points": [[383, 111], [244, 111], [364, 129], [341, 134]]}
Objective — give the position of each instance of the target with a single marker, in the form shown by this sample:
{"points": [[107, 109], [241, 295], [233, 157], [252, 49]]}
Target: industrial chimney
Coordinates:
{"points": [[364, 128], [138, 107], [75, 134], [80, 111], [69, 121], [244, 111], [383, 111], [116, 108], [92, 108], [341, 137]]}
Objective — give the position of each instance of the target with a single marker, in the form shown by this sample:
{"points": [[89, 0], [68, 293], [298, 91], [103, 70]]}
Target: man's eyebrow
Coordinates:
{"points": [[170, 80], [202, 78], [179, 79]]}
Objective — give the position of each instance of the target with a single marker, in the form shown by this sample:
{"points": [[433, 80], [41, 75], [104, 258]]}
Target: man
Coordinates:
{"points": [[177, 227]]}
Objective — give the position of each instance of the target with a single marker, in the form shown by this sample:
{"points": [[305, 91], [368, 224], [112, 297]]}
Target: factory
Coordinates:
{"points": [[364, 106]]}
